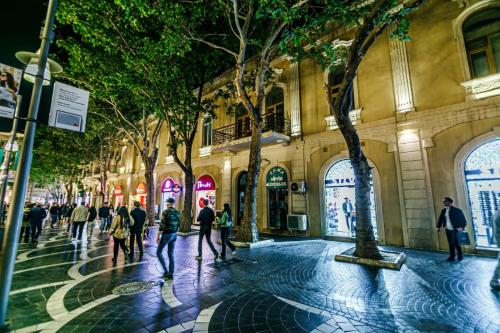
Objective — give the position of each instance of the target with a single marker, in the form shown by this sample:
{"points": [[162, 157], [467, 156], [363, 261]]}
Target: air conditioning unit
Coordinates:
{"points": [[298, 186], [297, 222]]}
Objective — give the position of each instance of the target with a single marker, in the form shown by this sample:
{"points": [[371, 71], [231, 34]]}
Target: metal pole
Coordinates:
{"points": [[4, 172], [13, 224]]}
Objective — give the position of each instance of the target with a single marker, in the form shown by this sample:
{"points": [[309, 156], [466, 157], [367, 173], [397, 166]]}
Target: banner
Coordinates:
{"points": [[69, 107], [10, 82]]}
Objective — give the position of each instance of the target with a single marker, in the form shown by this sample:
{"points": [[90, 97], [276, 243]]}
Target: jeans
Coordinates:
{"points": [[90, 229], [108, 222], [451, 235], [54, 219], [69, 225], [167, 239], [104, 222], [206, 231], [78, 225], [136, 234], [36, 230], [224, 235], [121, 243], [25, 230]]}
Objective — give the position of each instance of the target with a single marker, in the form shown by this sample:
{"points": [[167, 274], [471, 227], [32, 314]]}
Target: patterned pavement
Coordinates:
{"points": [[292, 286]]}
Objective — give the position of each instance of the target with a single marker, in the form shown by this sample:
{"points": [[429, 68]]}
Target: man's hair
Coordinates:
{"points": [[171, 201], [450, 200], [137, 204], [206, 202], [82, 203]]}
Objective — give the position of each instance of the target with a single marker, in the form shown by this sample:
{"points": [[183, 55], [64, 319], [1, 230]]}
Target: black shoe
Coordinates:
{"points": [[222, 256], [460, 258], [216, 257], [113, 259], [450, 259]]}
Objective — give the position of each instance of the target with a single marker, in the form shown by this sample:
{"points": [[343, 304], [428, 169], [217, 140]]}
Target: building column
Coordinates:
{"points": [[416, 190], [299, 205], [401, 76], [226, 181], [295, 123]]}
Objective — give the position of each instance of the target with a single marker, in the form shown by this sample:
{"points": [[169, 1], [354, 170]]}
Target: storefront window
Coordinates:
{"points": [[340, 201], [141, 193], [167, 192], [204, 189], [482, 174], [277, 190]]}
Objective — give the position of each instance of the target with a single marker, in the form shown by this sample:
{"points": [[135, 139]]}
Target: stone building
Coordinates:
{"points": [[428, 114]]}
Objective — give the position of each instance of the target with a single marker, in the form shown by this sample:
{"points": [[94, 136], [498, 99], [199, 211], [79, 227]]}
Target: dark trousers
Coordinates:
{"points": [[167, 239], [36, 230], [451, 235], [205, 231], [224, 235], [69, 225], [348, 220], [79, 226], [25, 230], [136, 234], [54, 219], [119, 242]]}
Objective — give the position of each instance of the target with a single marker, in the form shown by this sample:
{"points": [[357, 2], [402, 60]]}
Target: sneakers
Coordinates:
{"points": [[198, 258]]}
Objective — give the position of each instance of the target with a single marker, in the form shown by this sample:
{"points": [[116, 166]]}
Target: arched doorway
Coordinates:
{"points": [[482, 177], [340, 201], [277, 200], [241, 185]]}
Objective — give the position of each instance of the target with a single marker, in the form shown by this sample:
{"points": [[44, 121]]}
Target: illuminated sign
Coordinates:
{"points": [[204, 183]]}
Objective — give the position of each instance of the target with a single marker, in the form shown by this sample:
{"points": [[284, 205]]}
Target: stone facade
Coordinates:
{"points": [[416, 110]]}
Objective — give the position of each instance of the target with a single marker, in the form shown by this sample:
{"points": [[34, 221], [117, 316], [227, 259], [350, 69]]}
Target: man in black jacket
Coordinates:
{"points": [[453, 220], [139, 217], [37, 214], [206, 217]]}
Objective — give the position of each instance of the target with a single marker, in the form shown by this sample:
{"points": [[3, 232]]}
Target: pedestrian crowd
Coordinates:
{"points": [[128, 228]]}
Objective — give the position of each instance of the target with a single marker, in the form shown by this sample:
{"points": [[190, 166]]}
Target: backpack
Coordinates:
{"points": [[170, 220]]}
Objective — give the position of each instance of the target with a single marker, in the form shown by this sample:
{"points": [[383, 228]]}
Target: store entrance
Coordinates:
{"points": [[241, 186], [278, 208]]}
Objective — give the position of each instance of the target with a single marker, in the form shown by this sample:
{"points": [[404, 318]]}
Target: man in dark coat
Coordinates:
{"points": [[206, 217], [139, 216], [37, 215], [453, 221]]}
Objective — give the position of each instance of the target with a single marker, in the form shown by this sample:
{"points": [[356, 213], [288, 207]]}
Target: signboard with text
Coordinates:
{"points": [[69, 107], [277, 178]]}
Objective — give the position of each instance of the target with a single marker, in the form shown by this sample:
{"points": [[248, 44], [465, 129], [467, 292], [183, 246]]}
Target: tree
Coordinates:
{"points": [[368, 21]]}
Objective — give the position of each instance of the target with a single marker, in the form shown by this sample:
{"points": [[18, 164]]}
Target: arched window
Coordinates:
{"points": [[206, 132], [482, 42], [335, 78]]}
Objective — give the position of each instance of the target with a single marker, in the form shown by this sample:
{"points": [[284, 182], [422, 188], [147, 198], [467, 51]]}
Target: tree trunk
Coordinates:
{"points": [[248, 229], [187, 210], [366, 246], [69, 192], [150, 197]]}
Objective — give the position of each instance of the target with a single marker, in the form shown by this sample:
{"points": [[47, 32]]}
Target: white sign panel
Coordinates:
{"points": [[10, 81], [69, 107]]}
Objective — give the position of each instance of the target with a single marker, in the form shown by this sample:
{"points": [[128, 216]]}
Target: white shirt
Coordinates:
{"points": [[449, 226]]}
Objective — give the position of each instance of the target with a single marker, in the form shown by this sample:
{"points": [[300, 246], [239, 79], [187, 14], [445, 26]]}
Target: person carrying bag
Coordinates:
{"points": [[120, 231]]}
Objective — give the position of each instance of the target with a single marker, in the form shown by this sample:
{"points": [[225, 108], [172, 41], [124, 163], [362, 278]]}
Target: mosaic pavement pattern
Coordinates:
{"points": [[293, 286]]}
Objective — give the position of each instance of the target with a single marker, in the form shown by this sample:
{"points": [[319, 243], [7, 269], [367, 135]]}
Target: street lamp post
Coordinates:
{"points": [[9, 149], [13, 224]]}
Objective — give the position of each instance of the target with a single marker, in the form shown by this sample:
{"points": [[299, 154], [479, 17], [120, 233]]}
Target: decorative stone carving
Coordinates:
{"points": [[331, 123], [169, 159], [483, 87], [205, 151]]}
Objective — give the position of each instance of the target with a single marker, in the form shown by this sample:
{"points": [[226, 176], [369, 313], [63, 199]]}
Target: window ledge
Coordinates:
{"points": [[205, 151], [331, 124], [483, 87], [169, 159]]}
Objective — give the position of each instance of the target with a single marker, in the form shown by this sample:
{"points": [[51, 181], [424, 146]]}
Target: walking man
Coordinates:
{"points": [[206, 217], [139, 216], [347, 209], [91, 222], [54, 214], [37, 214], [104, 216], [453, 220], [167, 235], [79, 217]]}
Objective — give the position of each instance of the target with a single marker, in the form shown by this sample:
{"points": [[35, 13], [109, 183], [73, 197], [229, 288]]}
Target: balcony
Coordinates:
{"points": [[237, 137]]}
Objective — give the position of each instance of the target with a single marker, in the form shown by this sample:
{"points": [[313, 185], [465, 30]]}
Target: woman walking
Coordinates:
{"points": [[226, 223], [120, 230]]}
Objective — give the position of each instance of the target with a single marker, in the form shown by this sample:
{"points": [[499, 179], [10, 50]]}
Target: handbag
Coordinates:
{"points": [[463, 238]]}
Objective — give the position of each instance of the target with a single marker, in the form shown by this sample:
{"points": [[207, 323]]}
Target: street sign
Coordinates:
{"points": [[69, 107], [10, 81]]}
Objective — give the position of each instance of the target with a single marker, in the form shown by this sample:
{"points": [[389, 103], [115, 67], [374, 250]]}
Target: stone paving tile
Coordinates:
{"points": [[288, 287]]}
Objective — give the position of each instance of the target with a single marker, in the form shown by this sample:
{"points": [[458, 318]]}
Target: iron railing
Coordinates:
{"points": [[242, 129]]}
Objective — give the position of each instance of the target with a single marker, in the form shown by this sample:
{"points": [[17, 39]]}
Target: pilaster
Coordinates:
{"points": [[298, 173], [226, 181], [296, 129], [401, 76]]}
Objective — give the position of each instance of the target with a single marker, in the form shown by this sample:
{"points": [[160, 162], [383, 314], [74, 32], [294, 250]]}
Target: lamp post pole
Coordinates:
{"points": [[13, 224], [4, 171]]}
